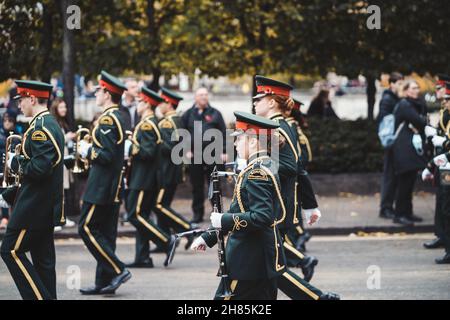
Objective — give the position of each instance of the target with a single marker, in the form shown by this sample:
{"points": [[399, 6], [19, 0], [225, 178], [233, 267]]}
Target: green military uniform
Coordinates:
{"points": [[288, 282], [443, 130], [99, 212], [254, 250], [287, 167], [442, 219], [170, 173], [145, 160], [39, 202], [306, 198]]}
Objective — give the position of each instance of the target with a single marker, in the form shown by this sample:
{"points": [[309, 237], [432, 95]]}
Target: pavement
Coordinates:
{"points": [[358, 268]]}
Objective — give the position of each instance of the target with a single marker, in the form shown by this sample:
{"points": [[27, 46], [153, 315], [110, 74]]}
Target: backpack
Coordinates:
{"points": [[386, 129]]}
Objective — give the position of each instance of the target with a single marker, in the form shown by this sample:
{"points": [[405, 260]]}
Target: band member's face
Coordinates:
{"points": [[163, 108], [100, 97], [241, 145], [440, 93], [263, 106], [141, 107], [26, 106]]}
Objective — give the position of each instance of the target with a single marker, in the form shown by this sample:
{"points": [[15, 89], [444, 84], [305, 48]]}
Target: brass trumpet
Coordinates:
{"points": [[9, 177], [81, 165]]}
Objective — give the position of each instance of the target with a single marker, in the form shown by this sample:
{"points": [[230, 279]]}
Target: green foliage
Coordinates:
{"points": [[344, 146]]}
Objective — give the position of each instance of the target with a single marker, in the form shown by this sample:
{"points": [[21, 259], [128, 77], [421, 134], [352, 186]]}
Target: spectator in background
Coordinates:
{"points": [[59, 110], [321, 106], [8, 128], [210, 118], [128, 105], [388, 102], [408, 151], [12, 106]]}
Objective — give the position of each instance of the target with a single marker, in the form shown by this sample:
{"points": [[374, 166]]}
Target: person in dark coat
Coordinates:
{"points": [[388, 102], [208, 118], [408, 151], [321, 106]]}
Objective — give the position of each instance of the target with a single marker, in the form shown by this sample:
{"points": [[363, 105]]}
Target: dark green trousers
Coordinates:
{"points": [[296, 288], [438, 212], [169, 219], [294, 258], [139, 205], [445, 216], [264, 289], [98, 229], [35, 280]]}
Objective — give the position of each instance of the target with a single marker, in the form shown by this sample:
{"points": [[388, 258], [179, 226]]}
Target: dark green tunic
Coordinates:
{"points": [[253, 247], [170, 173], [39, 202], [288, 158], [106, 155], [145, 153]]}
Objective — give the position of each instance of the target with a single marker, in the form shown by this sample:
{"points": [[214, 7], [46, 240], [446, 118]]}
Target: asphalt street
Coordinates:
{"points": [[377, 266]]}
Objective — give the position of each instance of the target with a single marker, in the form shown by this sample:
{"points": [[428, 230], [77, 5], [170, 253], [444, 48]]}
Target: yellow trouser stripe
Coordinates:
{"points": [[286, 238], [232, 287], [299, 230], [144, 222], [22, 267], [168, 213], [300, 286], [293, 250], [95, 243]]}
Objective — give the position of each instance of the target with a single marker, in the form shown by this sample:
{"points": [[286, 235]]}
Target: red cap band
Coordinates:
{"points": [[274, 90], [258, 130], [148, 99], [170, 100], [110, 87], [25, 92]]}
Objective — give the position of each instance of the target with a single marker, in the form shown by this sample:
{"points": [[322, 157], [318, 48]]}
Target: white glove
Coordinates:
{"points": [[3, 203], [440, 160], [83, 148], [11, 156], [430, 131], [127, 147], [427, 175], [216, 219], [199, 244], [438, 141], [312, 216]]}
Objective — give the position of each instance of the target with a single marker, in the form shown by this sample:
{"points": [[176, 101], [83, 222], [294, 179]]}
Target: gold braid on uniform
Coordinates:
{"points": [[238, 223]]}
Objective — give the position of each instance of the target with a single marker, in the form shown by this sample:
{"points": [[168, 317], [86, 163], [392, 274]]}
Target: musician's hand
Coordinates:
{"points": [[312, 215], [216, 219], [127, 148], [438, 141], [84, 148], [11, 156], [427, 175], [199, 244], [440, 160]]}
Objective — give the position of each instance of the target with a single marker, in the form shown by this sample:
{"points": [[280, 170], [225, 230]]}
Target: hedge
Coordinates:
{"points": [[344, 146]]}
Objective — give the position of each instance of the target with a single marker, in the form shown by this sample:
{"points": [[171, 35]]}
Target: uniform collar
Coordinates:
{"points": [[170, 113], [261, 154], [111, 108], [40, 114], [276, 116]]}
